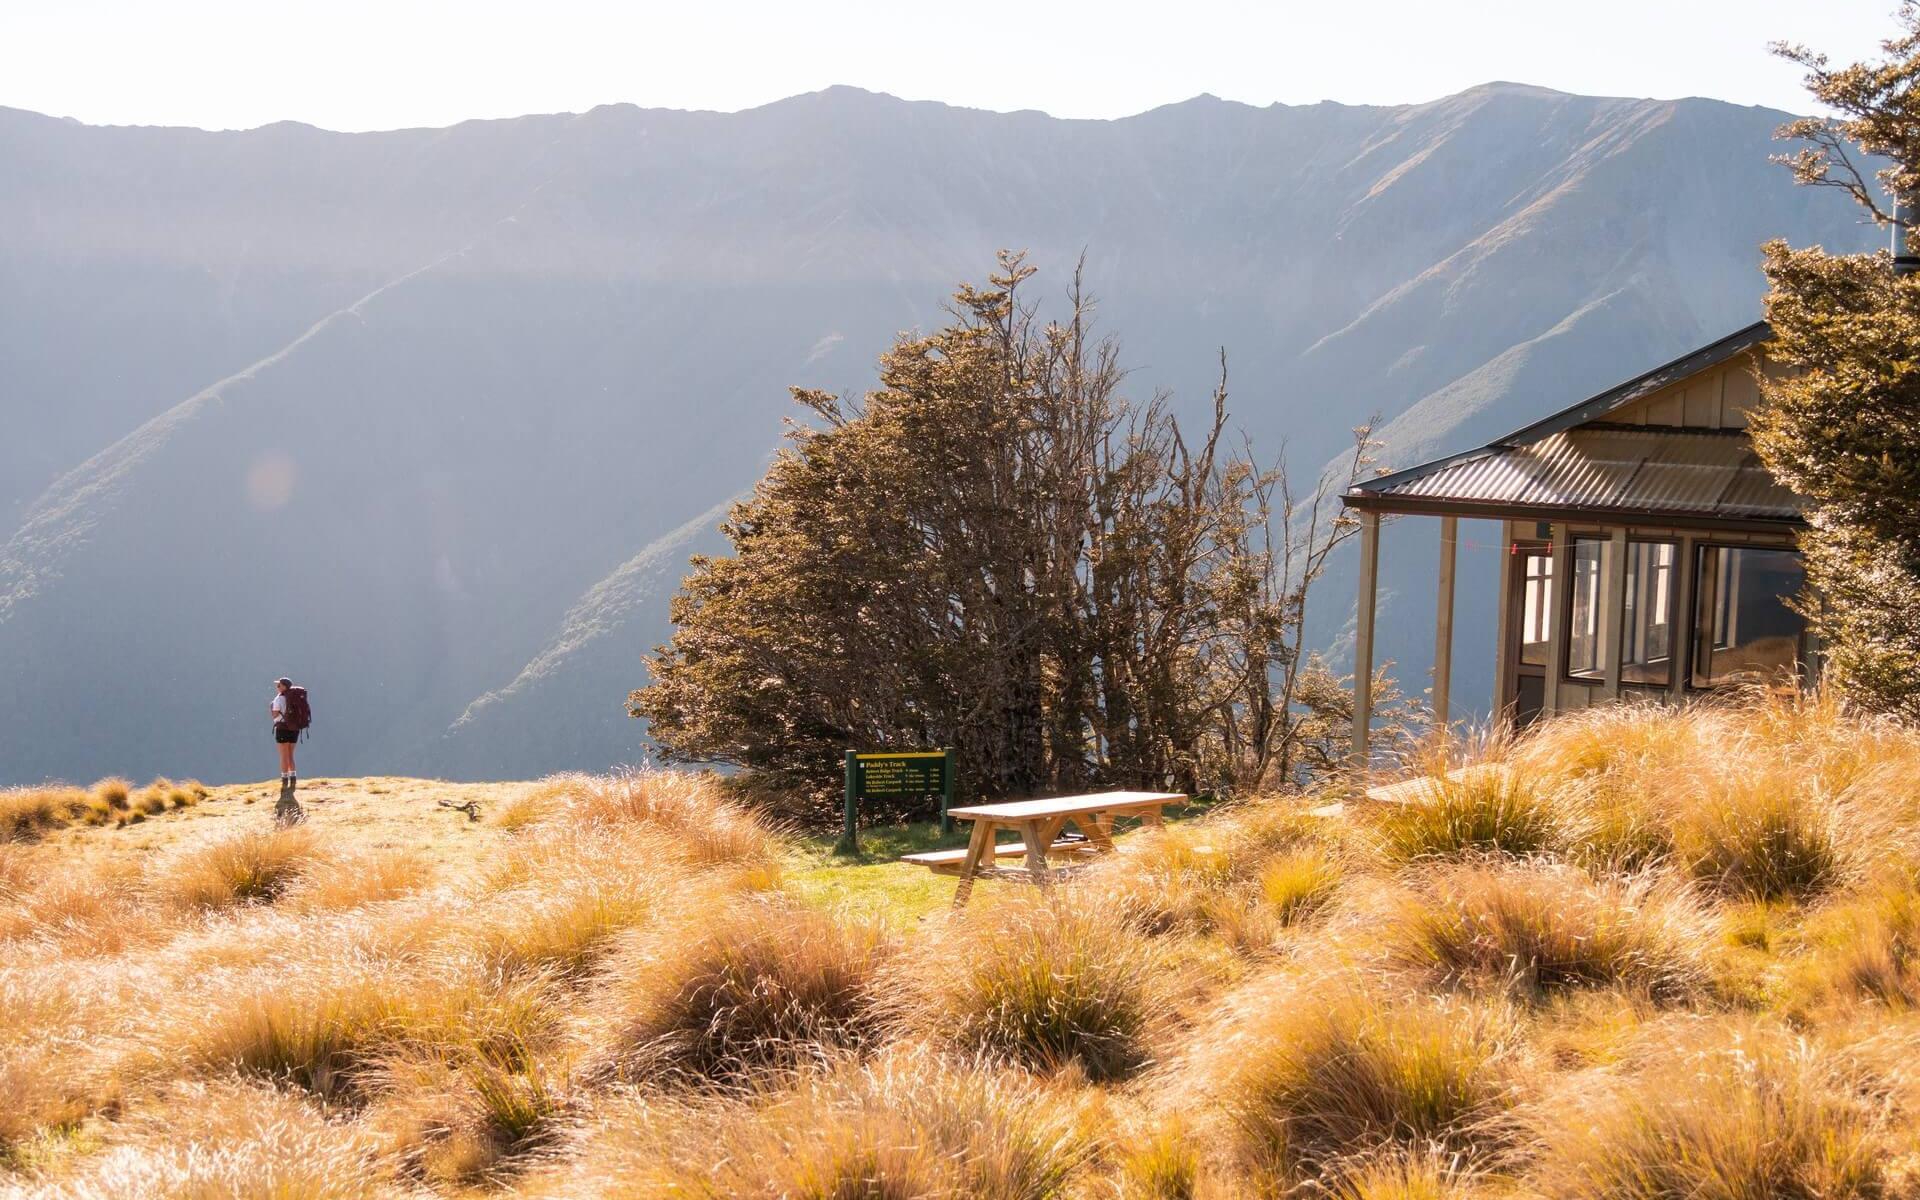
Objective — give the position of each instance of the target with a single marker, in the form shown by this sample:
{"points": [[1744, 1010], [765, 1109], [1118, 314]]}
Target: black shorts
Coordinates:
{"points": [[285, 736]]}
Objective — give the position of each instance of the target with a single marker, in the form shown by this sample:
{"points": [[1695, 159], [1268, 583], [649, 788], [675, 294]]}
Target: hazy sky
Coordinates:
{"points": [[375, 64]]}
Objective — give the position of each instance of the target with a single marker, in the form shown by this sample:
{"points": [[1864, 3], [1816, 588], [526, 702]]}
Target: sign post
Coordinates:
{"points": [[893, 776]]}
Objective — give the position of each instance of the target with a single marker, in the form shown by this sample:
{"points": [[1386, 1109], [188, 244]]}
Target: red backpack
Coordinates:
{"points": [[299, 712]]}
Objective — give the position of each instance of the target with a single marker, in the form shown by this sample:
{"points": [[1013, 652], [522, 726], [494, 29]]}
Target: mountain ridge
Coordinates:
{"points": [[415, 507]]}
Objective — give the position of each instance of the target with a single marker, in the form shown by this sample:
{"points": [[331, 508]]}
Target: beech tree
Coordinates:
{"points": [[1842, 426], [996, 550]]}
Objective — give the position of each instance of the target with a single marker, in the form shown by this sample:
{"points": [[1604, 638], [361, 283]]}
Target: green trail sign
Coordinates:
{"points": [[895, 775]]}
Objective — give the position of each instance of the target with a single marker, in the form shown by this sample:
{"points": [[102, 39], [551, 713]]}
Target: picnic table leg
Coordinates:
{"points": [[1150, 817], [980, 843], [1098, 827], [1037, 844]]}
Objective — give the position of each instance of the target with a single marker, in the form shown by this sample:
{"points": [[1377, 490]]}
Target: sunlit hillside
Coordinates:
{"points": [[1642, 954]]}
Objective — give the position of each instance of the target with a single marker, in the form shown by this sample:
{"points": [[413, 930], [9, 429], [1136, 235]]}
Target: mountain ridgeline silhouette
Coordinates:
{"points": [[431, 419]]}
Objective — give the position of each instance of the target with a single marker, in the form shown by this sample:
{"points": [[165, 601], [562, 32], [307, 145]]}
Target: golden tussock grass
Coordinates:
{"points": [[909, 1125], [228, 1141], [1308, 1072], [1655, 953], [1722, 1110], [1497, 811], [1532, 929], [1042, 983], [256, 867], [738, 989]]}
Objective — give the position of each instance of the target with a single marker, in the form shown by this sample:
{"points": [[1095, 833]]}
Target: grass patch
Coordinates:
{"points": [[1490, 811], [758, 986], [1308, 1077], [1041, 983], [247, 868], [1729, 1111], [1533, 930]]}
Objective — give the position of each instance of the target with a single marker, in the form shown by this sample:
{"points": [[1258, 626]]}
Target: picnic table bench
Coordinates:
{"points": [[1042, 828]]}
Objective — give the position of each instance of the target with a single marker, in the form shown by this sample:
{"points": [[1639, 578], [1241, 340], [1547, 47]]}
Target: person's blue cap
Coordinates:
{"points": [[283, 681]]}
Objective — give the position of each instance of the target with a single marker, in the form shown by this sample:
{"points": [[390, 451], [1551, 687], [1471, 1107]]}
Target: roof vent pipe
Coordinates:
{"points": [[1905, 259]]}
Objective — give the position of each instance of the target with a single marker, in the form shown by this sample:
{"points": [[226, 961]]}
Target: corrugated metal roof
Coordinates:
{"points": [[1641, 470]]}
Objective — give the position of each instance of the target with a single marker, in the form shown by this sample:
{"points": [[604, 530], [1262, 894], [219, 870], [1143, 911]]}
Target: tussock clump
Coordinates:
{"points": [[1491, 809], [1869, 947], [702, 825], [163, 794], [1164, 1164], [1308, 1075], [456, 1118], [1241, 871], [760, 985], [1536, 929], [227, 1141], [1042, 983], [248, 868], [1760, 830], [27, 813], [910, 1126], [348, 881], [116, 793], [328, 1027], [1299, 883], [1721, 1111], [1404, 1177], [81, 909]]}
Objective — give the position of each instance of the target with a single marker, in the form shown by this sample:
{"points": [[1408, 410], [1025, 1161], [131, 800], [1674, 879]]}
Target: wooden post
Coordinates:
{"points": [[946, 792], [1363, 637], [1680, 623], [849, 840], [1505, 637], [1443, 622], [1614, 576], [1557, 617]]}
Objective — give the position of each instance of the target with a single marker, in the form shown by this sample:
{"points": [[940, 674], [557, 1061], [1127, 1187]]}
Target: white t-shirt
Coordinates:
{"points": [[278, 707]]}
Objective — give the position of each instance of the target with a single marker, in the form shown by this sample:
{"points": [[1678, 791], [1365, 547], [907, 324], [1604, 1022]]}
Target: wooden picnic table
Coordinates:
{"points": [[1041, 824]]}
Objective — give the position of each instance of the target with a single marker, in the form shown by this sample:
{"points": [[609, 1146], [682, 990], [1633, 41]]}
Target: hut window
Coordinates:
{"points": [[1646, 624], [1536, 605], [1744, 627], [1588, 593]]}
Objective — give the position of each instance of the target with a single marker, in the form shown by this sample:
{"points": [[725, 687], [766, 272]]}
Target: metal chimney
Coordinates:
{"points": [[1905, 259]]}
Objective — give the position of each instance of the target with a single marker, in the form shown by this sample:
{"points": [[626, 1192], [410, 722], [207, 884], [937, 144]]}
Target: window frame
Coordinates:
{"points": [[1698, 629], [1565, 606], [1676, 627]]}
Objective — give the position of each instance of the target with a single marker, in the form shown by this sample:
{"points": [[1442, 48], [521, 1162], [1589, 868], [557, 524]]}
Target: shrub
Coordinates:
{"points": [[246, 868], [1307, 1077], [758, 986], [1039, 983], [910, 1126], [1537, 929], [1487, 809], [1722, 1112]]}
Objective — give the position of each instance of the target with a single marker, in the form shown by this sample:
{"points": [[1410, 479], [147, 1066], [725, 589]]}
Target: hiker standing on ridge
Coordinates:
{"points": [[290, 714]]}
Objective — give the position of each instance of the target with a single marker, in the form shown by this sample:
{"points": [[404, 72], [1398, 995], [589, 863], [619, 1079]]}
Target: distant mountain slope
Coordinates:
{"points": [[396, 413]]}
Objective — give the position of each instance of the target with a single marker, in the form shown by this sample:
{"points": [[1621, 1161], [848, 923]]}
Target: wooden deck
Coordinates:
{"points": [[1422, 789]]}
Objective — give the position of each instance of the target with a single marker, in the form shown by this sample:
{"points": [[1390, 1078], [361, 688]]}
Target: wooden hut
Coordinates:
{"points": [[1648, 551]]}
